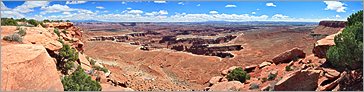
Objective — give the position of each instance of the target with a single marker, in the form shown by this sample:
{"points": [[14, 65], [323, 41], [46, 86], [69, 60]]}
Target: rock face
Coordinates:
{"points": [[321, 46], [299, 80], [227, 86], [28, 67], [288, 56], [334, 24], [38, 35]]}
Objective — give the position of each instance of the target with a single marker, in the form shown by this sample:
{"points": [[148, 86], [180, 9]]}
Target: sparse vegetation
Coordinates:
{"points": [[288, 68], [67, 56], [8, 22], [100, 68], [64, 31], [57, 32], [254, 86], [264, 80], [80, 81], [22, 32], [238, 74], [348, 51], [271, 76], [33, 22], [13, 37]]}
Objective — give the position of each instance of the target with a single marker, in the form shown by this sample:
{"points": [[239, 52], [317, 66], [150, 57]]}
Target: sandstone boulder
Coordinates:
{"points": [[108, 87], [299, 80], [37, 35], [322, 45], [331, 73], [227, 86], [289, 55], [28, 67], [85, 64], [264, 64], [215, 79]]}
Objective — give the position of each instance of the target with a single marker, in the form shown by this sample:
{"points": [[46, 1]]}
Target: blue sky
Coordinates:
{"points": [[176, 11]]}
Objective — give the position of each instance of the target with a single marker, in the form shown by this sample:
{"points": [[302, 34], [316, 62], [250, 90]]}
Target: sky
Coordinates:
{"points": [[181, 11]]}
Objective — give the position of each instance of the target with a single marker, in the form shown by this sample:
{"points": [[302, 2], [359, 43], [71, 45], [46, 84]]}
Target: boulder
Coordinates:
{"points": [[250, 68], [264, 64], [37, 35], [331, 73], [85, 64], [289, 55], [299, 80], [321, 46], [108, 87], [227, 86], [215, 79], [329, 84], [28, 67]]}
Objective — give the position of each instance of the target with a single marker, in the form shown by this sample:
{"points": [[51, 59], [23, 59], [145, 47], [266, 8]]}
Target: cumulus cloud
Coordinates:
{"points": [[198, 5], [3, 7], [123, 2], [100, 7], [254, 13], [335, 5], [270, 4], [19, 11], [66, 13], [279, 16], [161, 12], [160, 1], [213, 12], [337, 16], [75, 2], [230, 6], [134, 12], [56, 8]]}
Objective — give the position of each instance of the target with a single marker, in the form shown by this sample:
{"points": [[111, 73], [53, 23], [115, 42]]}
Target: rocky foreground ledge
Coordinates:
{"points": [[29, 61]]}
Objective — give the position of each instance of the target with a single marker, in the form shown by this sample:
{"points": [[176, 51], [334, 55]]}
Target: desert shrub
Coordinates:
{"points": [[21, 20], [33, 22], [347, 53], [92, 62], [8, 22], [13, 37], [264, 80], [100, 68], [68, 53], [22, 32], [57, 32], [288, 68], [68, 21], [69, 65], [64, 31], [46, 20], [254, 86], [271, 76], [80, 81], [238, 74]]}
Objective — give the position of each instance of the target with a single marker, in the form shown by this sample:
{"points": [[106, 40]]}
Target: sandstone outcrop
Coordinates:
{"points": [[288, 56], [321, 46], [299, 80], [227, 86], [28, 67], [334, 24]]}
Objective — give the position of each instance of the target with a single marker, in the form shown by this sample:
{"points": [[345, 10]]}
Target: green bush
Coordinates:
{"points": [[238, 74], [271, 76], [68, 53], [64, 31], [100, 68], [57, 32], [13, 37], [80, 81], [254, 86], [33, 22], [21, 20], [92, 62], [348, 51], [46, 20], [288, 68], [22, 32], [8, 22]]}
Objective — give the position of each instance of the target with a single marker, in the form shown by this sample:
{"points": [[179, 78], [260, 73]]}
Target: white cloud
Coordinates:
{"points": [[335, 5], [100, 7], [160, 1], [198, 5], [128, 8], [254, 13], [181, 3], [123, 2], [161, 12], [258, 9], [270, 4], [337, 16], [66, 13], [279, 16], [213, 12], [230, 5], [106, 11], [75, 2], [56, 8], [29, 5], [135, 12]]}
